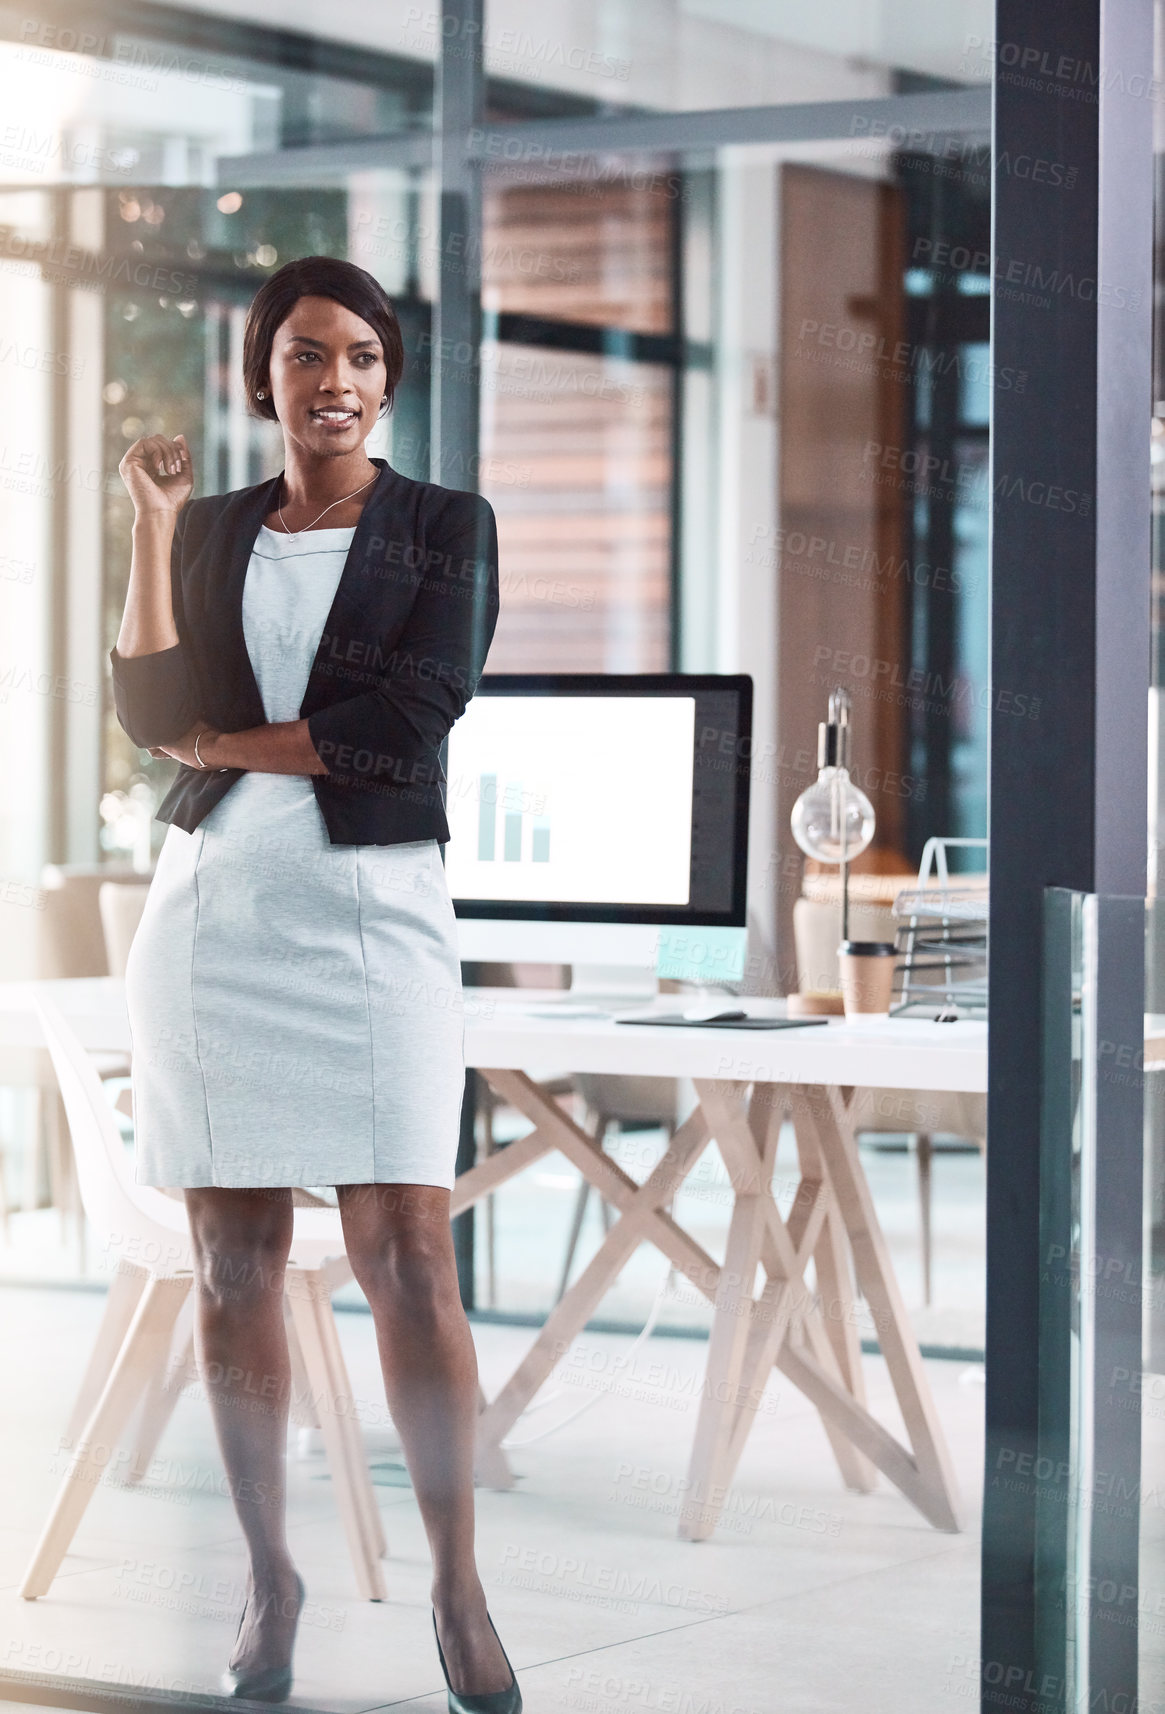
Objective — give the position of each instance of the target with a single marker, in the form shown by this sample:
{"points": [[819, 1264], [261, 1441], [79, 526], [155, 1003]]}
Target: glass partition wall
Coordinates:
{"points": [[1150, 1387], [732, 286]]}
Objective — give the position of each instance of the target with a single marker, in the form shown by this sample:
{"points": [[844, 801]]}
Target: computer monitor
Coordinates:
{"points": [[587, 812]]}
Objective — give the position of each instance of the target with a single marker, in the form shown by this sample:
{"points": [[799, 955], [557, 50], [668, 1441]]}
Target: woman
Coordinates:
{"points": [[302, 648]]}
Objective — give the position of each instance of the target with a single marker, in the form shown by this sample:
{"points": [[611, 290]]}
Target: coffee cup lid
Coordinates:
{"points": [[868, 948]]}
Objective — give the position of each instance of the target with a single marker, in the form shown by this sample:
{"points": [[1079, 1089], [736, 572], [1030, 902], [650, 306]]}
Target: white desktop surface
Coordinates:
{"points": [[507, 1027], [510, 1027]]}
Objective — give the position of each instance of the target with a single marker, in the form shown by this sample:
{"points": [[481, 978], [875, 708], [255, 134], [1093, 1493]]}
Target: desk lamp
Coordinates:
{"points": [[833, 821]]}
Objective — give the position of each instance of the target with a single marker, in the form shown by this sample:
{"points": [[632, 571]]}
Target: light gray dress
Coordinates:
{"points": [[295, 1006]]}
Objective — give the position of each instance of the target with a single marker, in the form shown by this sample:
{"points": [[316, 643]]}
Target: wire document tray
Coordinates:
{"points": [[941, 936]]}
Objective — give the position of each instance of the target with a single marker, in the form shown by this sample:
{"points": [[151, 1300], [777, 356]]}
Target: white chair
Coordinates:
{"points": [[69, 942], [120, 904], [146, 1231]]}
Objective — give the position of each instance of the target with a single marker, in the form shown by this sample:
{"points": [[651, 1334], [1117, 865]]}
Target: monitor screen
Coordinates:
{"points": [[601, 798]]}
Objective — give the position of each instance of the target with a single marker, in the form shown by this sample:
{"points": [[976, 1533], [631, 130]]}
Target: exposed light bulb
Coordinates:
{"points": [[833, 820]]}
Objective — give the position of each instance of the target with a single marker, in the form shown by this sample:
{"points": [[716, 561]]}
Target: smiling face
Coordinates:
{"points": [[327, 377]]}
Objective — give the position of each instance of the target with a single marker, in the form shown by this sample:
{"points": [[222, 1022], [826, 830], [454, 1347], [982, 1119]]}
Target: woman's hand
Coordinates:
{"points": [[276, 747], [182, 749], [159, 474]]}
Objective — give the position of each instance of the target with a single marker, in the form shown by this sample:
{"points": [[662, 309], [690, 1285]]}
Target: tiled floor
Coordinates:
{"points": [[807, 1600]]}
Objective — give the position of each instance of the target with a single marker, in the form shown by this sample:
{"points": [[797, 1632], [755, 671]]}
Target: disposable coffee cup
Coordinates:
{"points": [[867, 977]]}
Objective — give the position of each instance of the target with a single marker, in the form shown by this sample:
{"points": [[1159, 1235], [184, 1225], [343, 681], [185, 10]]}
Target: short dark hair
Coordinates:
{"points": [[315, 277]]}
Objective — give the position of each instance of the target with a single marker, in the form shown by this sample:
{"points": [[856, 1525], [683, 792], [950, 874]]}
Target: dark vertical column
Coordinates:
{"points": [[455, 367], [1069, 648]]}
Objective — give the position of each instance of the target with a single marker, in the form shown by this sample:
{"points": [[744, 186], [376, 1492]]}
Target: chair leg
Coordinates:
{"points": [[303, 1410], [57, 1147], [165, 1389], [311, 1307], [350, 1425], [491, 1254], [124, 1295], [580, 1207], [925, 1152], [337, 1272], [146, 1346]]}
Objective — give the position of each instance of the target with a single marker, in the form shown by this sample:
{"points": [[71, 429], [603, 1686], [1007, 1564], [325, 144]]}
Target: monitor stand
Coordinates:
{"points": [[629, 984]]}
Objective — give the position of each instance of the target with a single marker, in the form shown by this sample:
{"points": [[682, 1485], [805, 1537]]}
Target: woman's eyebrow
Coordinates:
{"points": [[356, 345]]}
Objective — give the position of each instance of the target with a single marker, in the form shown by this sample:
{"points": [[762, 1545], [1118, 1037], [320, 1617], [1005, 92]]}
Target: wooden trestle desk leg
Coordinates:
{"points": [[748, 1332], [640, 1218], [819, 1352], [833, 1267], [829, 1114], [749, 1159]]}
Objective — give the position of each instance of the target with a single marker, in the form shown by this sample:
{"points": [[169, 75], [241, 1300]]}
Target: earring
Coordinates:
{"points": [[260, 393]]}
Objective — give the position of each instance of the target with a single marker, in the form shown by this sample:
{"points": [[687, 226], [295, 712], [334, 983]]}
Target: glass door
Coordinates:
{"points": [[718, 359]]}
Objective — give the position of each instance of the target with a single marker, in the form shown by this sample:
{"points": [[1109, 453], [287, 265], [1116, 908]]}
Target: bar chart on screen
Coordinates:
{"points": [[509, 803], [589, 801]]}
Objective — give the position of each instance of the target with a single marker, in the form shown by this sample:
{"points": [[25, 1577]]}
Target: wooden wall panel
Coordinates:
{"points": [[576, 460], [841, 595], [577, 448], [591, 252]]}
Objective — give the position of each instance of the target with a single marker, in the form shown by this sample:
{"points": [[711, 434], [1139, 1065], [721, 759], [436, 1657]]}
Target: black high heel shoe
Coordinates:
{"points": [[508, 1701], [273, 1684]]}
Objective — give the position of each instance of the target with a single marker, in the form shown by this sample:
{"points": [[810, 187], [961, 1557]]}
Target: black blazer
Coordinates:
{"points": [[402, 650]]}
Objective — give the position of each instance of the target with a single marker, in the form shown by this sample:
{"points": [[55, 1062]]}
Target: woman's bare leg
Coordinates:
{"points": [[401, 1249], [241, 1243]]}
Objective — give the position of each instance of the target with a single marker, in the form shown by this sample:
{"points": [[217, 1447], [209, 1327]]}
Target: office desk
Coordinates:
{"points": [[746, 1083]]}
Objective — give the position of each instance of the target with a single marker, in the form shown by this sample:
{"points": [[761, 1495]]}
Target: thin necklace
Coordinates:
{"points": [[294, 534]]}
